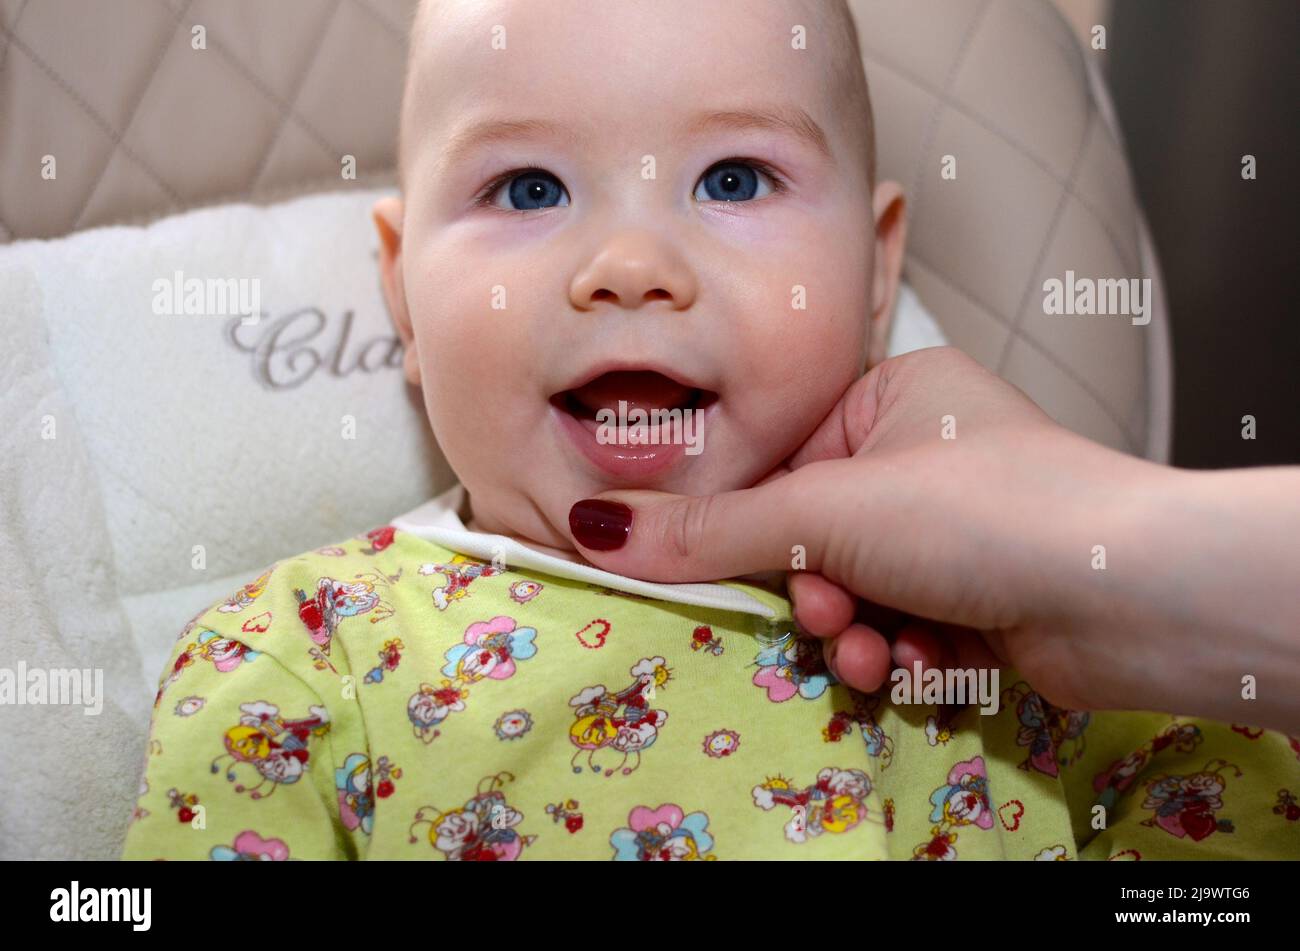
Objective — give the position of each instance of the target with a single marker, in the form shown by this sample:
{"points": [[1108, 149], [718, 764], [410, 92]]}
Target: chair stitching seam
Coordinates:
{"points": [[130, 117], [1112, 236], [944, 101], [297, 91], [100, 122]]}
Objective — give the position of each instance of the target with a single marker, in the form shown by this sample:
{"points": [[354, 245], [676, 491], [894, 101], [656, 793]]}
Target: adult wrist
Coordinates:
{"points": [[1100, 562]]}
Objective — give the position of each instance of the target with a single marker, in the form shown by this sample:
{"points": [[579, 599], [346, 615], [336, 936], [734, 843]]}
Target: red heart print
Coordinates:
{"points": [[1015, 809], [600, 637], [258, 624]]}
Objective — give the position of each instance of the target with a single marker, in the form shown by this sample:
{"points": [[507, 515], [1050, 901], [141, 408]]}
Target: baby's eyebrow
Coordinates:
{"points": [[793, 121], [486, 131]]}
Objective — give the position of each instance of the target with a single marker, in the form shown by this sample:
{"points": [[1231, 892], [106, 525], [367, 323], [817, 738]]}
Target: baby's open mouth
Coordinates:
{"points": [[634, 425], [647, 390]]}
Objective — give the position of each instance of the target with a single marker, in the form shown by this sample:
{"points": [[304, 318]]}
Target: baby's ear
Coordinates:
{"points": [[890, 209], [387, 215]]}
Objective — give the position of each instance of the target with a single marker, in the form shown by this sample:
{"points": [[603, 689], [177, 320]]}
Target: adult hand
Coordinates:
{"points": [[976, 531]]}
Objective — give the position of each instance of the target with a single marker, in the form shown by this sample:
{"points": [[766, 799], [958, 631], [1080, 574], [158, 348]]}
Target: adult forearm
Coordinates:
{"points": [[1208, 588]]}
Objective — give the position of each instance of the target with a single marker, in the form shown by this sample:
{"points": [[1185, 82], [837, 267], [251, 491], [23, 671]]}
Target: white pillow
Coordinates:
{"points": [[913, 327], [203, 431]]}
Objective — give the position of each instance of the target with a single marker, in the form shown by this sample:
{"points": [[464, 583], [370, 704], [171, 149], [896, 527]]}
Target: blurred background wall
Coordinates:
{"points": [[1198, 84]]}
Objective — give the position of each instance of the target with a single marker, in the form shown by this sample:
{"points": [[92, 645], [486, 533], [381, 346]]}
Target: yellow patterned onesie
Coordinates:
{"points": [[395, 697]]}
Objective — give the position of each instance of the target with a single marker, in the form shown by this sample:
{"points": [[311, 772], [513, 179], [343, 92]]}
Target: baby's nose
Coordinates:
{"points": [[634, 268]]}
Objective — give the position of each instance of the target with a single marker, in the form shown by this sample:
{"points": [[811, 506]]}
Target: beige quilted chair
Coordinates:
{"points": [[1042, 188]]}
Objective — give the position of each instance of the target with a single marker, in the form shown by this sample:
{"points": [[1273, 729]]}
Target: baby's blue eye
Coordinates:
{"points": [[732, 181], [531, 190]]}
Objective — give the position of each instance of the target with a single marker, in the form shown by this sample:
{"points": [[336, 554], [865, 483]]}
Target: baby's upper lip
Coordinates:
{"points": [[615, 366]]}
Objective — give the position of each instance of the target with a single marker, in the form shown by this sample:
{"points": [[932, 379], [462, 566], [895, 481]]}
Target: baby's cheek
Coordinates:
{"points": [[802, 370], [814, 349], [465, 342]]}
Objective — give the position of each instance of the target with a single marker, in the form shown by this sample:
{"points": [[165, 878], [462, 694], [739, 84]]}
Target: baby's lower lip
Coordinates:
{"points": [[630, 464]]}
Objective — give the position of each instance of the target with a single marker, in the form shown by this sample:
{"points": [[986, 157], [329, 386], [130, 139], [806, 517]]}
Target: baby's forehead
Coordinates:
{"points": [[719, 22], [594, 59]]}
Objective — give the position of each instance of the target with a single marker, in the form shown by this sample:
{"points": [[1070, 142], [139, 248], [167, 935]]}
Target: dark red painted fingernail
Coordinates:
{"points": [[599, 524]]}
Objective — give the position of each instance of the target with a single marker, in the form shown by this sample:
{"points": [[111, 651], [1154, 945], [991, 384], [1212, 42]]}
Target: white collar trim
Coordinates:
{"points": [[438, 521]]}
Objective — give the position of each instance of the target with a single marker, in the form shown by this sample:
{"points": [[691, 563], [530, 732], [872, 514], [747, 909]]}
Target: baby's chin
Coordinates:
{"points": [[531, 503], [696, 475], [538, 514]]}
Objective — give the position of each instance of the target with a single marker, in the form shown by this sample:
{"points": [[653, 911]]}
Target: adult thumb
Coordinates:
{"points": [[658, 536]]}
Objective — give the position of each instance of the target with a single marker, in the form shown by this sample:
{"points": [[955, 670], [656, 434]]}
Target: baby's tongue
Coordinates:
{"points": [[640, 389]]}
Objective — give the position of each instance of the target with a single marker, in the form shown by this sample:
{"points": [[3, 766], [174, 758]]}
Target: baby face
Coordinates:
{"points": [[665, 204]]}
